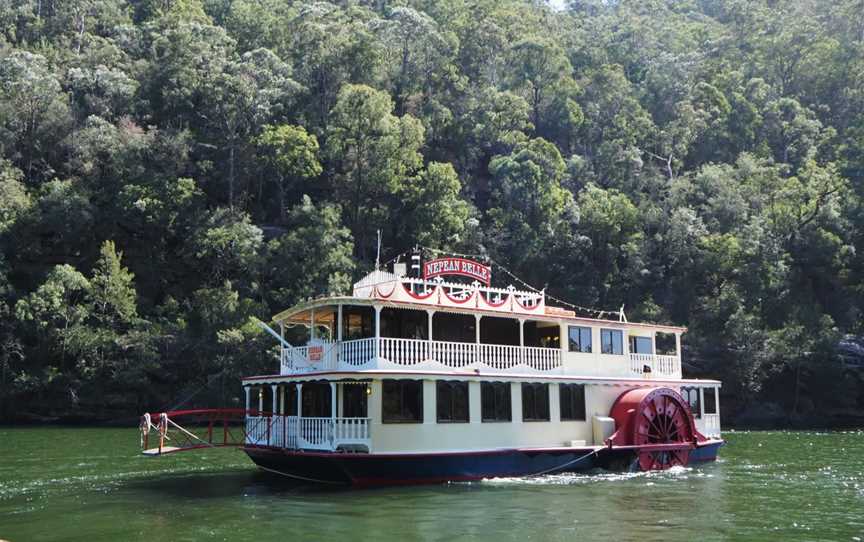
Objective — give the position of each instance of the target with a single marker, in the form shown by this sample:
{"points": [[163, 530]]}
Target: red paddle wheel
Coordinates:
{"points": [[656, 423]]}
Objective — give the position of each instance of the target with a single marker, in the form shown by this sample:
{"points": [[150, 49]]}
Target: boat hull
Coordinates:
{"points": [[407, 469]]}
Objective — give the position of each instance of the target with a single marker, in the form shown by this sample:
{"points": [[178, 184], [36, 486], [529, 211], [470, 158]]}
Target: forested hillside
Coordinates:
{"points": [[170, 169]]}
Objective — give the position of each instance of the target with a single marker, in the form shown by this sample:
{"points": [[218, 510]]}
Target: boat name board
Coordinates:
{"points": [[457, 266], [315, 353]]}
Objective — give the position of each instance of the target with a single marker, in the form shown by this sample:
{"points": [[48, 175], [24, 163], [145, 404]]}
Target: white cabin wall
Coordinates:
{"points": [[477, 435]]}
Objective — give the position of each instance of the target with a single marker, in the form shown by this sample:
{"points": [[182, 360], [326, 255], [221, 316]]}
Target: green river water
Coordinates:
{"points": [[91, 484]]}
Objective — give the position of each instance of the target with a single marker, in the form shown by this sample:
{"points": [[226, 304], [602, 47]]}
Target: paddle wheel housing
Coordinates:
{"points": [[657, 425]]}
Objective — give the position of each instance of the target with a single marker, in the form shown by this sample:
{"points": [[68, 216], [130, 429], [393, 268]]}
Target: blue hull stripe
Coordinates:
{"points": [[372, 469]]}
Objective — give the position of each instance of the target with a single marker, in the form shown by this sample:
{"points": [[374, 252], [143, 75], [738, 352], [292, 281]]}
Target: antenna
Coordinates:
{"points": [[378, 252]]}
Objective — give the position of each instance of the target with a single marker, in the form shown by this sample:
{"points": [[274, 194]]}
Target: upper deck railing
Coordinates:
{"points": [[419, 354]]}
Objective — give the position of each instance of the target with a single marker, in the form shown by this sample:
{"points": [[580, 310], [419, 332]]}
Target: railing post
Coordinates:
{"points": [[702, 403]]}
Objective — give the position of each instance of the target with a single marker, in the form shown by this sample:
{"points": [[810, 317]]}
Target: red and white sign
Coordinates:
{"points": [[458, 266], [316, 353]]}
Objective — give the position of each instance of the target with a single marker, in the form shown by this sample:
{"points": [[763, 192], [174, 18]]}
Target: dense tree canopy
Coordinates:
{"points": [[170, 169]]}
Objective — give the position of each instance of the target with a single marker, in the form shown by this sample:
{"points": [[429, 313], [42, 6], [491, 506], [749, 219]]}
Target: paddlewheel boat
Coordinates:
{"points": [[417, 379]]}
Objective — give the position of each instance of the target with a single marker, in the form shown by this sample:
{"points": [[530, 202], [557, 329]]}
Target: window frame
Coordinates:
{"points": [[612, 333], [690, 395], [452, 384], [533, 403], [709, 392], [635, 340], [403, 383], [581, 347], [572, 401], [487, 388]]}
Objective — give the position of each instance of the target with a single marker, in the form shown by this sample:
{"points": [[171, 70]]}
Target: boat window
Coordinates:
{"points": [[495, 398], [354, 400], [691, 395], [402, 401], [579, 339], [572, 402], [710, 402], [452, 401], [641, 345], [612, 341], [535, 402]]}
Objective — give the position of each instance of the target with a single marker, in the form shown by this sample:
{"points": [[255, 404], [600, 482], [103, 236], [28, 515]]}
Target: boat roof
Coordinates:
{"points": [[475, 375], [300, 313]]}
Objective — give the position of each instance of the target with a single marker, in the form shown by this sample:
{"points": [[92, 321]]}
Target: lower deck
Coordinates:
{"points": [[404, 414]]}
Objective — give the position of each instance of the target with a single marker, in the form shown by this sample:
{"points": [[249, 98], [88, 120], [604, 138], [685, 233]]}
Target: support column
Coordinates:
{"points": [[260, 400], [273, 388], [299, 400], [339, 323], [522, 340], [430, 316], [477, 318], [282, 400], [312, 324], [717, 401], [377, 332], [678, 345], [248, 391], [333, 401], [701, 403]]}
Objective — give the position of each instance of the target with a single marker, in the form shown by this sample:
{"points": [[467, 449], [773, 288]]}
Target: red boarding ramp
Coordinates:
{"points": [[182, 430]]}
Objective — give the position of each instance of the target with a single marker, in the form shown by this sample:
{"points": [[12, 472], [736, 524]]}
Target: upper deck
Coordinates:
{"points": [[395, 322]]}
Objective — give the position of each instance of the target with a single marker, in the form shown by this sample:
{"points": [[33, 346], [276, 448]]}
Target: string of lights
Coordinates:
{"points": [[598, 312]]}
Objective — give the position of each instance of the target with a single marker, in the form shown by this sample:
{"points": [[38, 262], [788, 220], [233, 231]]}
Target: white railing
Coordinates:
{"points": [[361, 353], [356, 352], [256, 430], [403, 351], [351, 430], [454, 355], [307, 433], [315, 434], [501, 356], [666, 366]]}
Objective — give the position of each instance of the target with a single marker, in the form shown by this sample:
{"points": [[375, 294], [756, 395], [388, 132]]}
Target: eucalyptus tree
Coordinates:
{"points": [[34, 113], [372, 151], [292, 154], [329, 47], [416, 53]]}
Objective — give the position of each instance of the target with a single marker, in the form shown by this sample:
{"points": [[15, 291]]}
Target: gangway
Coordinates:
{"points": [[182, 430]]}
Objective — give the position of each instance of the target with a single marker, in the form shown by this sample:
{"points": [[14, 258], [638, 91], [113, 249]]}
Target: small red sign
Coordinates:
{"points": [[316, 353], [458, 266]]}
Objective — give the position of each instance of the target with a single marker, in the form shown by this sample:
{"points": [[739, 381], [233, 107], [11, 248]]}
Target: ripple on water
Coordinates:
{"points": [[785, 485]]}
